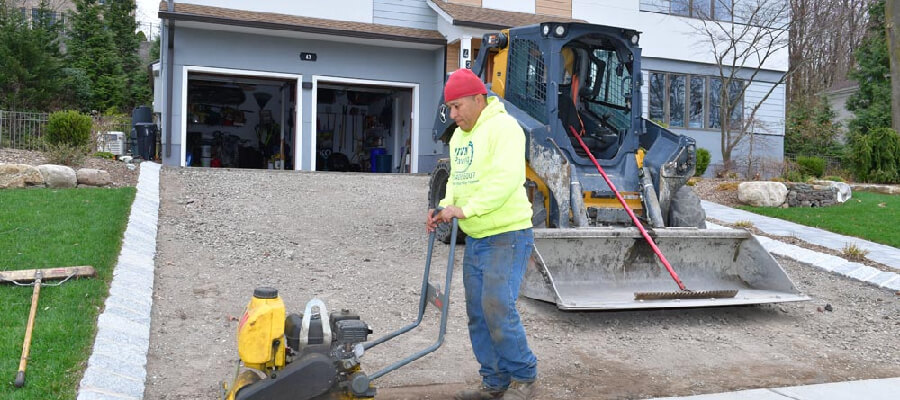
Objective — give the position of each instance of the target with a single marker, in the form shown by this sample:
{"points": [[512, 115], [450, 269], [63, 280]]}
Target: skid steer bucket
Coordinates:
{"points": [[603, 268]]}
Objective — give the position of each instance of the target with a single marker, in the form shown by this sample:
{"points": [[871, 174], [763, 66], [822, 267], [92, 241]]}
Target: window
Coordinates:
{"points": [[676, 101], [657, 102], [527, 80], [704, 9], [715, 101], [697, 100], [691, 101], [723, 10]]}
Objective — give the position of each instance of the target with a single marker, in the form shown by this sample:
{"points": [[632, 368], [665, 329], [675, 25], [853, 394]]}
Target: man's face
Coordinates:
{"points": [[466, 110]]}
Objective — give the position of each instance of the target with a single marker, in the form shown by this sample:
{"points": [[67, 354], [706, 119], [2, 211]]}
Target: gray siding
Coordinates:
{"points": [[195, 47], [770, 114], [406, 13]]}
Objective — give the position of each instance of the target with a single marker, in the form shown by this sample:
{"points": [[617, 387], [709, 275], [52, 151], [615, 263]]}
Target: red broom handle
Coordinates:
{"points": [[634, 219]]}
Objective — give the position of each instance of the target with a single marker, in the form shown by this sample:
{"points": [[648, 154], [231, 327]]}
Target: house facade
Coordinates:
{"points": [[354, 85], [56, 8]]}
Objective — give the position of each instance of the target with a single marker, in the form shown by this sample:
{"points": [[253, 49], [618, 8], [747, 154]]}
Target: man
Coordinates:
{"points": [[486, 193]]}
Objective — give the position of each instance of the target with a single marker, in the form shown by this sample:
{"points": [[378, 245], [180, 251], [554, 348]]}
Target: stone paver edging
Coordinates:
{"points": [[117, 367], [827, 262]]}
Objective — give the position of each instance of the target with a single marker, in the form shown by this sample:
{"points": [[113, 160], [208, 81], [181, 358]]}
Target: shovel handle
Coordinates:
{"points": [[26, 345]]}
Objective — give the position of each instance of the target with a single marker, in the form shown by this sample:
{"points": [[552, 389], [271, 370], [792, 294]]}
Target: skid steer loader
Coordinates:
{"points": [[575, 87]]}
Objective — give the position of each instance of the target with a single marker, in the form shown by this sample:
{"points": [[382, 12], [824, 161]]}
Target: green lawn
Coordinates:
{"points": [[42, 228], [871, 216]]}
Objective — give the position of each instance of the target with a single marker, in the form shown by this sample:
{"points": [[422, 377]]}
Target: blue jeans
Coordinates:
{"points": [[493, 268]]}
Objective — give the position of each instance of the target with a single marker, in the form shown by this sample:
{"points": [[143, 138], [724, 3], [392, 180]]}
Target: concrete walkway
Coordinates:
{"points": [[872, 389], [117, 367]]}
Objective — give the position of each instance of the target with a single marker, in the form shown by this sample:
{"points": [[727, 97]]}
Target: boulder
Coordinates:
{"points": [[843, 191], [93, 177], [19, 176], [58, 176], [762, 194]]}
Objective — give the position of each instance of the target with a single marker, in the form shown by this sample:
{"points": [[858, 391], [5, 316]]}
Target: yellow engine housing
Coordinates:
{"points": [[261, 341]]}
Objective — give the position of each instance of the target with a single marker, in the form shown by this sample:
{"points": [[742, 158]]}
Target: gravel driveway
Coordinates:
{"points": [[357, 241]]}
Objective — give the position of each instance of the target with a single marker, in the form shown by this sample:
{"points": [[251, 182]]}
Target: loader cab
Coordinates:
{"points": [[595, 94]]}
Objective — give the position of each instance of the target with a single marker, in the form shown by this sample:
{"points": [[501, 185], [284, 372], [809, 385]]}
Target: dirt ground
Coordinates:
{"points": [[357, 241]]}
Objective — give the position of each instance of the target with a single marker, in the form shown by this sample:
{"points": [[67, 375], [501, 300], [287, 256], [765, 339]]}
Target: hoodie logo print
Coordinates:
{"points": [[464, 157]]}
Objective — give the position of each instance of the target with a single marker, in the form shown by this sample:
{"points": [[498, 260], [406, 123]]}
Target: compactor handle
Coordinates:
{"points": [[443, 304]]}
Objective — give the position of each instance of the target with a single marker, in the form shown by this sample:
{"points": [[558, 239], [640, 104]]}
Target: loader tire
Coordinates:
{"points": [[685, 209], [437, 187]]}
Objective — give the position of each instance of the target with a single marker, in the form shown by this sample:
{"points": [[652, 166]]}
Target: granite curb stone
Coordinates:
{"points": [[117, 367]]}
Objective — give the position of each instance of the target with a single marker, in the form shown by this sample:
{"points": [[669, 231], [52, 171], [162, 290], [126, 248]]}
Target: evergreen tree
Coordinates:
{"points": [[810, 130], [872, 103], [92, 49], [29, 60], [119, 18]]}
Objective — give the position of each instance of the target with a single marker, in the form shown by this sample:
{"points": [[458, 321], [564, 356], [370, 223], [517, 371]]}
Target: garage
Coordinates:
{"points": [[240, 121], [363, 126]]}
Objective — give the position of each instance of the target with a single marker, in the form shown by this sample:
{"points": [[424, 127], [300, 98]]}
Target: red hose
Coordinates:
{"points": [[634, 219]]}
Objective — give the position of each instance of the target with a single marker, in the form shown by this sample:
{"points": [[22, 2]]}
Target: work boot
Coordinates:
{"points": [[520, 391], [482, 393]]}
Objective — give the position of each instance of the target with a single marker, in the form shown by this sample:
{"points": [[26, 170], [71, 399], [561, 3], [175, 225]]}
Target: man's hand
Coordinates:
{"points": [[446, 215]]}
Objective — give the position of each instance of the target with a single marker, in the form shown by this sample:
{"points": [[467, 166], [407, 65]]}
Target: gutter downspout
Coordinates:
{"points": [[170, 73]]}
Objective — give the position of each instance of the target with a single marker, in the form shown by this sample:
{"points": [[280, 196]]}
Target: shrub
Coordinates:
{"points": [[105, 154], [854, 252], [745, 224], [834, 178], [65, 154], [875, 156], [703, 158], [793, 176], [811, 166], [69, 128]]}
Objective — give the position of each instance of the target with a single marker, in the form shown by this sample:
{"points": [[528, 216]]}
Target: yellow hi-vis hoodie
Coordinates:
{"points": [[487, 174]]}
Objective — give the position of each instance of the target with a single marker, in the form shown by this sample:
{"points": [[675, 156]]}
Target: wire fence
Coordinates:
{"points": [[22, 130], [25, 131]]}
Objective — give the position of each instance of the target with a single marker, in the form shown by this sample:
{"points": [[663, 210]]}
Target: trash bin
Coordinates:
{"points": [[145, 134], [383, 163], [373, 157]]}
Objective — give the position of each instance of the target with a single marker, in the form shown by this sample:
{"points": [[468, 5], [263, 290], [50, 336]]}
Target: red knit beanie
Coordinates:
{"points": [[463, 83]]}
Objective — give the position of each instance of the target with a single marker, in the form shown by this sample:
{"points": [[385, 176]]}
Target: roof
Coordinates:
{"points": [[275, 21], [486, 18]]}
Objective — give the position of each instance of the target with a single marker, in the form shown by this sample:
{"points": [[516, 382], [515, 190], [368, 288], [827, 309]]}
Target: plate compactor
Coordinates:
{"points": [[316, 354]]}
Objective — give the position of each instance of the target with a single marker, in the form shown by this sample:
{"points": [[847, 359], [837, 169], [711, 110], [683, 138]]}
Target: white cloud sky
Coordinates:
{"points": [[147, 11]]}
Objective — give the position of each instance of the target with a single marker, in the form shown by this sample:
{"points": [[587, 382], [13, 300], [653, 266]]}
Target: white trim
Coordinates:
{"points": [[440, 11], [298, 115], [414, 151]]}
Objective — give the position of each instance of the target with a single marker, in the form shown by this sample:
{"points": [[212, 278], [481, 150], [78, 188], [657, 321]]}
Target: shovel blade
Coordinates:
{"points": [[605, 268]]}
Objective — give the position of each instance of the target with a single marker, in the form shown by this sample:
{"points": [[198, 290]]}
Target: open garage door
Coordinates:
{"points": [[236, 121], [363, 127]]}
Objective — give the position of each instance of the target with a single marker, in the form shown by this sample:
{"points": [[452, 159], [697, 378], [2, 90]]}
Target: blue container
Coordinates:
{"points": [[373, 157], [383, 163]]}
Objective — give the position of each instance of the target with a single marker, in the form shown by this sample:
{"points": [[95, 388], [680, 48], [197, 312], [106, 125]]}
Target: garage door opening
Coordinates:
{"points": [[363, 127], [240, 122]]}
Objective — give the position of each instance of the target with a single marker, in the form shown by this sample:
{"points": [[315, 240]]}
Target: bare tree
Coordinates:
{"points": [[742, 51], [823, 35]]}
